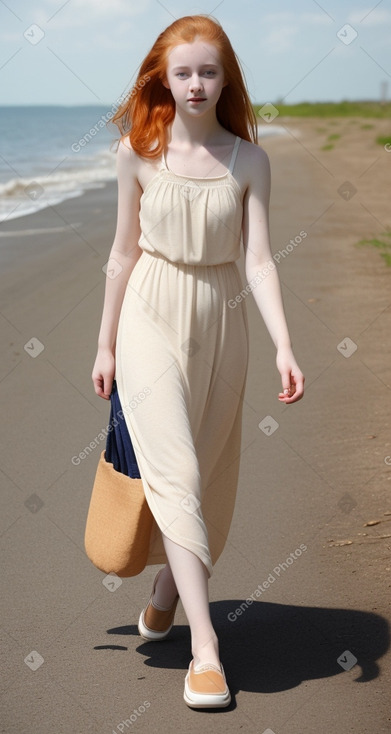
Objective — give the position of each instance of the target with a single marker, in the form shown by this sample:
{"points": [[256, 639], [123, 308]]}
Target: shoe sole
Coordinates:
{"points": [[205, 700], [151, 635]]}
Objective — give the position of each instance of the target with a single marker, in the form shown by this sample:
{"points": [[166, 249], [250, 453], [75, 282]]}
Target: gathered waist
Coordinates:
{"points": [[180, 263]]}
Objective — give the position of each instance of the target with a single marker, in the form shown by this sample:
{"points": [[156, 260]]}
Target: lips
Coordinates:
{"points": [[196, 99]]}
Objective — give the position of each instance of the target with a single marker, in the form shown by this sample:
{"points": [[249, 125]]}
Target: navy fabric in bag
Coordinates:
{"points": [[119, 448]]}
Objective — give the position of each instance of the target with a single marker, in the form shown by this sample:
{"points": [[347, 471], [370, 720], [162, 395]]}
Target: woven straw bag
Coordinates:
{"points": [[119, 521]]}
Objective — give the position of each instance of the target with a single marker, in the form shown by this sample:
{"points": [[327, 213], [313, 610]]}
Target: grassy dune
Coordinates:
{"points": [[332, 109]]}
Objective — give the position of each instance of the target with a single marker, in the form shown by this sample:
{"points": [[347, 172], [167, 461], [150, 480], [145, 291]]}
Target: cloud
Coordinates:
{"points": [[370, 17], [77, 13], [281, 29], [279, 40], [288, 18]]}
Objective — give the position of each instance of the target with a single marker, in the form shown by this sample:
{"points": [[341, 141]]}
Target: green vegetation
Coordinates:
{"points": [[335, 136], [384, 141], [383, 245], [332, 109]]}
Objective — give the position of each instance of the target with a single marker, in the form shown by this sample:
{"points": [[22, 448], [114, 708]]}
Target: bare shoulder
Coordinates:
{"points": [[134, 166], [126, 156], [254, 157], [255, 168]]}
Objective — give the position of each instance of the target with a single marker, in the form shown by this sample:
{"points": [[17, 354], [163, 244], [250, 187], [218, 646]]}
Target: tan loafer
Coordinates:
{"points": [[206, 687], [155, 622]]}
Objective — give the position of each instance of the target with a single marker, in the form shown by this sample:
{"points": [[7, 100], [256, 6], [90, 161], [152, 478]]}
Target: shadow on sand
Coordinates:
{"points": [[275, 647]]}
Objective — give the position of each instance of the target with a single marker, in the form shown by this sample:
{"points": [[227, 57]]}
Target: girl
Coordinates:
{"points": [[192, 185]]}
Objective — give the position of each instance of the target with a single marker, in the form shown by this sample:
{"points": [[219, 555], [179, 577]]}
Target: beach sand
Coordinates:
{"points": [[315, 480]]}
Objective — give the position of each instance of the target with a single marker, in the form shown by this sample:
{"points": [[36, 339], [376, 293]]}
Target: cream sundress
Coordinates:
{"points": [[182, 358]]}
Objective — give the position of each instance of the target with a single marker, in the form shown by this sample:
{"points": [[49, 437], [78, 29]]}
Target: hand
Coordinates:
{"points": [[291, 377], [103, 373]]}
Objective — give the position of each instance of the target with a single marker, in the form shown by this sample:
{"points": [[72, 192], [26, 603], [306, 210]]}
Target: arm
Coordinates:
{"points": [[123, 256], [258, 259]]}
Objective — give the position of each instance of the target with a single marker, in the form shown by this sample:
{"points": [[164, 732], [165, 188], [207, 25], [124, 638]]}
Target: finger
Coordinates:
{"points": [[286, 379], [97, 384], [293, 399], [108, 385], [98, 387], [300, 385], [288, 386], [296, 392], [286, 397]]}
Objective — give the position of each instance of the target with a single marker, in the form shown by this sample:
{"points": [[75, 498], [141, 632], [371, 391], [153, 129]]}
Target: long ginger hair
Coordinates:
{"points": [[150, 108]]}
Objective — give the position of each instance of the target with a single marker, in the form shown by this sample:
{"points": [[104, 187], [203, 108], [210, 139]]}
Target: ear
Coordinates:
{"points": [[165, 83]]}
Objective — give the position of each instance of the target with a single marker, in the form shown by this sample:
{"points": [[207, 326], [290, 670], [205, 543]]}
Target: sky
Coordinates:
{"points": [[83, 52]]}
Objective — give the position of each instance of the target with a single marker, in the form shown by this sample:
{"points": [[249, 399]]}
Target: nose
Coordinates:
{"points": [[195, 83]]}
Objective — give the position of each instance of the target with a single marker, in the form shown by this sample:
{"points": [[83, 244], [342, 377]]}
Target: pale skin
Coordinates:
{"points": [[198, 146]]}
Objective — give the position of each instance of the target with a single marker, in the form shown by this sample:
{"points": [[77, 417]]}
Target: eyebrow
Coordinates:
{"points": [[185, 66]]}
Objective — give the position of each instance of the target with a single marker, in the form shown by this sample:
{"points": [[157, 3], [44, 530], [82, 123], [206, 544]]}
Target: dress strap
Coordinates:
{"points": [[163, 165], [234, 154]]}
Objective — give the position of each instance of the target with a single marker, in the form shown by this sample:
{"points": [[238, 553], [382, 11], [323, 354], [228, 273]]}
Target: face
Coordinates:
{"points": [[195, 76]]}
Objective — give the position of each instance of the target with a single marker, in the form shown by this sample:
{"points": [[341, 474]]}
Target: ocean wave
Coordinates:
{"points": [[26, 195]]}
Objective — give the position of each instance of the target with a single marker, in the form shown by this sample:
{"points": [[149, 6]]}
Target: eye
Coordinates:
{"points": [[181, 74], [210, 72]]}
